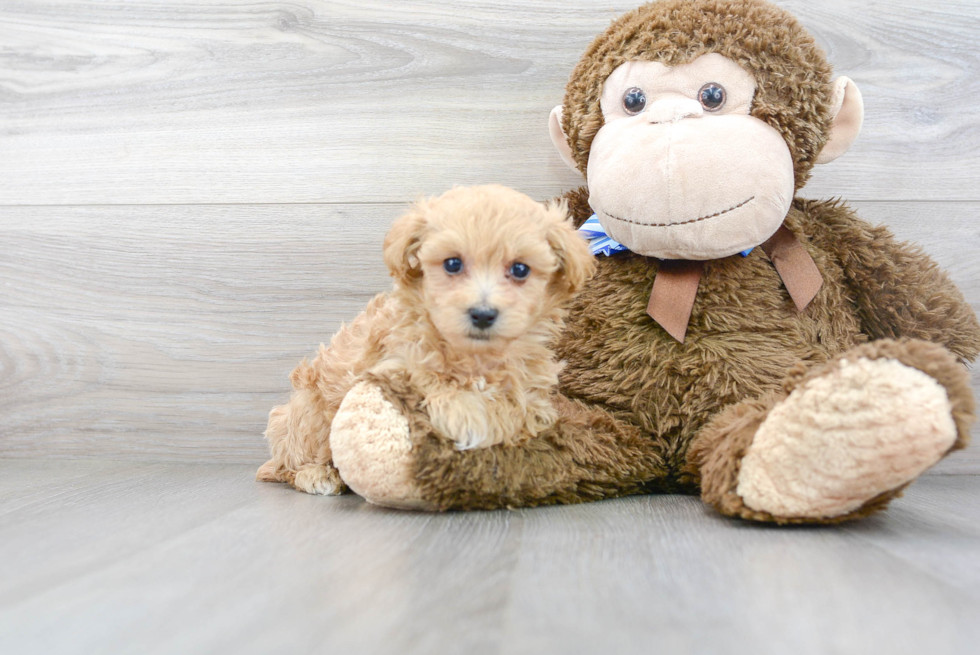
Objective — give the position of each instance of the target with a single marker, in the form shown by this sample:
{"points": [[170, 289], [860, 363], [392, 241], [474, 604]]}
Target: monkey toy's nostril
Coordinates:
{"points": [[483, 317]]}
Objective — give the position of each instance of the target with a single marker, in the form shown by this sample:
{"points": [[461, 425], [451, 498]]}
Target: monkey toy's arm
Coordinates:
{"points": [[386, 450], [900, 291]]}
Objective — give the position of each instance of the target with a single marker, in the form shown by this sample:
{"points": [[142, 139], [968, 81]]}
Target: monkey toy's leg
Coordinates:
{"points": [[386, 451], [841, 440]]}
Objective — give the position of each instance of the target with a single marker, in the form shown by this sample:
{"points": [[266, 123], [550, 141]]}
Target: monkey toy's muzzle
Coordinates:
{"points": [[698, 187]]}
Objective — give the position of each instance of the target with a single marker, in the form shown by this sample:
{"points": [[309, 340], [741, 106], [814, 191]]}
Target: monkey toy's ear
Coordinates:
{"points": [[559, 139], [402, 244], [847, 107]]}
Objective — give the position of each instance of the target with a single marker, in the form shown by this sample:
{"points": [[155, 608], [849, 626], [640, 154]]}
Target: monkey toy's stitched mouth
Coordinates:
{"points": [[696, 220]]}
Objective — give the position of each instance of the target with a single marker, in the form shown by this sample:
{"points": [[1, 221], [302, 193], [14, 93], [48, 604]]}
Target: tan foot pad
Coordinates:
{"points": [[371, 445], [841, 439]]}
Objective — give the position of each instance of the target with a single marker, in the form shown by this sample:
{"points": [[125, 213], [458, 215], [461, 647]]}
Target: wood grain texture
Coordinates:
{"points": [[156, 558], [178, 102], [169, 332]]}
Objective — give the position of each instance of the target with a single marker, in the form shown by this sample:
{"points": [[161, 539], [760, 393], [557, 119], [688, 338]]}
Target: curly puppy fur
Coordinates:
{"points": [[481, 386]]}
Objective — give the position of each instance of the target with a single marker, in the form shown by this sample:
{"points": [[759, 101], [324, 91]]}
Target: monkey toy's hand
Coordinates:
{"points": [[372, 447]]}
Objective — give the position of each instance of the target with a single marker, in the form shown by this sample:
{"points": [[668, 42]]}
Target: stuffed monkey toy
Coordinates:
{"points": [[776, 355]]}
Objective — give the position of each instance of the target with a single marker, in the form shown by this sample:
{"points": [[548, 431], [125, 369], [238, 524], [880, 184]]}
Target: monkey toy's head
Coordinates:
{"points": [[696, 121]]}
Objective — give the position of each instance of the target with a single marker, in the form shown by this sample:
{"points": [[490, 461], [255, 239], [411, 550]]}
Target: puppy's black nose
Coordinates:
{"points": [[483, 317]]}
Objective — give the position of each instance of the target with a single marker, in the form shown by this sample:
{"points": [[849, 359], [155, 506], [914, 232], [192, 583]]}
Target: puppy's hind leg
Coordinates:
{"points": [[299, 431], [299, 439]]}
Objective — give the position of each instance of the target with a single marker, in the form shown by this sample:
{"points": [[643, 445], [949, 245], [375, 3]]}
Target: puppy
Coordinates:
{"points": [[480, 275]]}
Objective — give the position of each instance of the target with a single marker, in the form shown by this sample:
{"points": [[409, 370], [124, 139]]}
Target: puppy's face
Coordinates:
{"points": [[487, 263], [481, 286]]}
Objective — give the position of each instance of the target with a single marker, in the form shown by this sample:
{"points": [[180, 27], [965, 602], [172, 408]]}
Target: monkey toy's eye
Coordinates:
{"points": [[712, 96], [453, 265], [520, 271], [634, 100]]}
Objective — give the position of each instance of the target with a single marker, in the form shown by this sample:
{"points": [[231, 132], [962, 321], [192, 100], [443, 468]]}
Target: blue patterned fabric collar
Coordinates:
{"points": [[601, 243]]}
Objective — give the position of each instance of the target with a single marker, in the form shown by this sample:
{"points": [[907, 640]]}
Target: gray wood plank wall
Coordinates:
{"points": [[192, 196]]}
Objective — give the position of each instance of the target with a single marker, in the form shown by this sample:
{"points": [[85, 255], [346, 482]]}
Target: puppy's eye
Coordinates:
{"points": [[453, 265], [634, 100], [520, 271], [712, 96]]}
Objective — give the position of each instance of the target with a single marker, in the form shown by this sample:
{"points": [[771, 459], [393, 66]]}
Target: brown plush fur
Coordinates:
{"points": [[745, 338], [636, 402], [478, 387]]}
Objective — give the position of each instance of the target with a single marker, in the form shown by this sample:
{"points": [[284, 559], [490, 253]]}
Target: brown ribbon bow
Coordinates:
{"points": [[676, 284]]}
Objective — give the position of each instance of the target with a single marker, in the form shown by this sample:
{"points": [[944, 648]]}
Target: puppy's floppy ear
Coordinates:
{"points": [[575, 263], [402, 245]]}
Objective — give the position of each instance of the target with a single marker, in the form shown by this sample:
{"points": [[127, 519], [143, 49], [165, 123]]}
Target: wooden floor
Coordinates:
{"points": [[191, 558], [193, 195]]}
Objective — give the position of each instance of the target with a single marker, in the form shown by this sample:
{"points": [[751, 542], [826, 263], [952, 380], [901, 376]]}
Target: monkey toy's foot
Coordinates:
{"points": [[847, 438]]}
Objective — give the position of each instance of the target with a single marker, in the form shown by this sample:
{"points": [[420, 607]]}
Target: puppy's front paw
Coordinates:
{"points": [[461, 418], [471, 439]]}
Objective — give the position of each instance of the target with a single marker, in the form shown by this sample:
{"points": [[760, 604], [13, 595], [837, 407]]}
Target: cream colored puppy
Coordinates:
{"points": [[481, 275]]}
